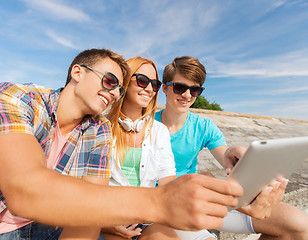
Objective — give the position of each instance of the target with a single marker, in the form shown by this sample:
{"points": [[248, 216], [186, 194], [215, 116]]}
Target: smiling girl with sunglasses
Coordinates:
{"points": [[141, 154]]}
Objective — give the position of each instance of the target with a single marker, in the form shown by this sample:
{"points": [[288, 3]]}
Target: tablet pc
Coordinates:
{"points": [[264, 161]]}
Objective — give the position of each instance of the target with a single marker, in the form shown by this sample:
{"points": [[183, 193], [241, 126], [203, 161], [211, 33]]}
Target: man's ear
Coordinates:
{"points": [[164, 88], [76, 73]]}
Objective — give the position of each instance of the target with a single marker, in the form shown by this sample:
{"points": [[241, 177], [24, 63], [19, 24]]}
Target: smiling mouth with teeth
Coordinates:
{"points": [[184, 101], [104, 99], [145, 96]]}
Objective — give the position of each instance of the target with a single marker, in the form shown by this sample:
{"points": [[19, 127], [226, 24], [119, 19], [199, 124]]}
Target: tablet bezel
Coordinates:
{"points": [[266, 160]]}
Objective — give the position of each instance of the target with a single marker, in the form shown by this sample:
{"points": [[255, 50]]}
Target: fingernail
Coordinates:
{"points": [[277, 185], [285, 182], [228, 170], [270, 189]]}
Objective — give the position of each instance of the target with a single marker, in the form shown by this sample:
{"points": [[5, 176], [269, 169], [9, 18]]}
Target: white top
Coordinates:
{"points": [[157, 159]]}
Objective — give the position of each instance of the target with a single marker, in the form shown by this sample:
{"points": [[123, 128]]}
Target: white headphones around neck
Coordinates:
{"points": [[130, 125]]}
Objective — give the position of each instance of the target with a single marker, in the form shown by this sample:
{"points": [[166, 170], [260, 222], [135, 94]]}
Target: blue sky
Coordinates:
{"points": [[255, 51]]}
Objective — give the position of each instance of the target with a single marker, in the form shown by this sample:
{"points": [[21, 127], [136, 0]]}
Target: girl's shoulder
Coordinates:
{"points": [[158, 126], [158, 129]]}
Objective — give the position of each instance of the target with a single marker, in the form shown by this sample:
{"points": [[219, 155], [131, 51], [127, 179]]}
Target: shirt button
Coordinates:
{"points": [[142, 165]]}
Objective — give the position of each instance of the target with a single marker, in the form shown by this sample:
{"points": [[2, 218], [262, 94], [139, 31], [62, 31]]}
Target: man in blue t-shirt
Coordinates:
{"points": [[190, 133], [196, 134]]}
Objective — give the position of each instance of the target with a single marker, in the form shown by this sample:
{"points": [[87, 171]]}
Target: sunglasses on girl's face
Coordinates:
{"points": [[180, 88], [143, 81], [109, 81]]}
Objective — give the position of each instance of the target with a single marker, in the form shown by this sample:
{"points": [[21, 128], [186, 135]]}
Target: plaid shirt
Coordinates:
{"points": [[31, 109]]}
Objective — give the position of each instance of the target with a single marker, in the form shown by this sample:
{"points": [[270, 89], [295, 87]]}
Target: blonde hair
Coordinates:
{"points": [[116, 111]]}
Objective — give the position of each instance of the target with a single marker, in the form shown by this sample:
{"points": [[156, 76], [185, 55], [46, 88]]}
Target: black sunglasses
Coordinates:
{"points": [[143, 81], [180, 88], [109, 81]]}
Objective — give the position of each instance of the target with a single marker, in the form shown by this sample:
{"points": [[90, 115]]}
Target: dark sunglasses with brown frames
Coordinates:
{"points": [[143, 81]]}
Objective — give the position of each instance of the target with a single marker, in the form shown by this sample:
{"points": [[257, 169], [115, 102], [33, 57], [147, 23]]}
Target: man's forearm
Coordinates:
{"points": [[73, 202], [40, 194]]}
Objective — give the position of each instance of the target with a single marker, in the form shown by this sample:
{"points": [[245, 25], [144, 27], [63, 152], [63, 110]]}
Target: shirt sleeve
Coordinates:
{"points": [[164, 151], [98, 163], [16, 111], [215, 136]]}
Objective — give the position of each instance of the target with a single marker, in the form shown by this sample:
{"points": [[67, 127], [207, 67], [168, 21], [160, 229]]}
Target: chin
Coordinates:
{"points": [[144, 104], [99, 111], [182, 109]]}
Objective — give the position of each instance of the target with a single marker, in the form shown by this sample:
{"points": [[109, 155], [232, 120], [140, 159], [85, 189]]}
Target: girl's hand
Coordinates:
{"points": [[125, 231]]}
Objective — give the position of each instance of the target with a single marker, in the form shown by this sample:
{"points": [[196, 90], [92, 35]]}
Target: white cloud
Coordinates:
{"points": [[284, 65], [287, 90], [61, 40], [245, 104], [166, 25], [276, 4], [179, 21], [58, 10], [12, 76], [294, 110]]}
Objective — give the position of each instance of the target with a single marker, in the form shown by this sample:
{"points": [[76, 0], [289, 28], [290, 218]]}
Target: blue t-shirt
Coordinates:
{"points": [[196, 134]]}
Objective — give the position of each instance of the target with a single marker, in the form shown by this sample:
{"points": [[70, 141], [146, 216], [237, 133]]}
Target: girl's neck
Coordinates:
{"points": [[132, 112], [134, 139]]}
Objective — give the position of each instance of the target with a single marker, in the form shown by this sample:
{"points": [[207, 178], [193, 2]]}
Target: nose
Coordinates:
{"points": [[115, 93], [186, 94], [149, 87]]}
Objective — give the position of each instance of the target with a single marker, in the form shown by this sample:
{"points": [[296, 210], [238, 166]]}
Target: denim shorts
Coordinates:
{"points": [[33, 231]]}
